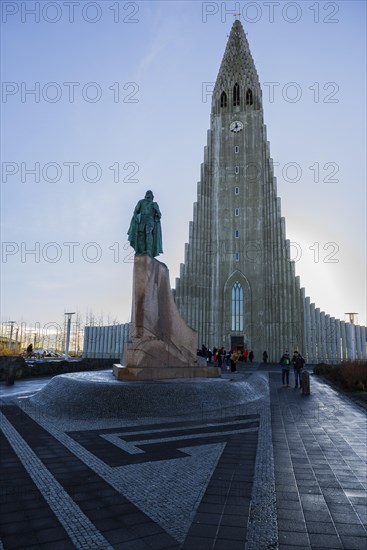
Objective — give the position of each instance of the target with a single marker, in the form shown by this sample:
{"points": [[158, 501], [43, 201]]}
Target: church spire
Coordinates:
{"points": [[237, 65]]}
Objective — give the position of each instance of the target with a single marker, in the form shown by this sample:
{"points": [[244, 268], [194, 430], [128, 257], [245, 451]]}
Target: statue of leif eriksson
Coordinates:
{"points": [[145, 233]]}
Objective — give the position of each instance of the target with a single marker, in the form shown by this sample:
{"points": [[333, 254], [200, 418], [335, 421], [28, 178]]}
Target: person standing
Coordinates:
{"points": [[265, 356], [251, 356], [221, 354], [285, 363], [298, 363], [234, 358]]}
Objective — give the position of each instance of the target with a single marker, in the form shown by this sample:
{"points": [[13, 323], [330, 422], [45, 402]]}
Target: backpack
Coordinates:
{"points": [[286, 361]]}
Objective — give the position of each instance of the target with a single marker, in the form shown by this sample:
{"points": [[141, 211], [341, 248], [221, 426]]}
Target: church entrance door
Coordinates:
{"points": [[237, 342]]}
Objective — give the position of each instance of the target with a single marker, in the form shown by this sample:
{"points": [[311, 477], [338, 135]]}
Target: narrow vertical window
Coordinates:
{"points": [[237, 307], [236, 169], [249, 98], [236, 211], [223, 99], [236, 95], [236, 234], [236, 149], [236, 190]]}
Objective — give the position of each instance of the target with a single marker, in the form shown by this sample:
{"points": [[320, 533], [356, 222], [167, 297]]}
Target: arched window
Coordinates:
{"points": [[237, 307], [236, 95], [223, 99], [249, 98]]}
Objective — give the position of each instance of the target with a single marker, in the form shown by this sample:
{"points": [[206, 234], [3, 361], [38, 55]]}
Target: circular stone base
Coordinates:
{"points": [[90, 395]]}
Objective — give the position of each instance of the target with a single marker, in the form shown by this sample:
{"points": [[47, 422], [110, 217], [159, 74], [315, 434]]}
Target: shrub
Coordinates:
{"points": [[322, 368], [353, 375], [350, 375], [6, 352]]}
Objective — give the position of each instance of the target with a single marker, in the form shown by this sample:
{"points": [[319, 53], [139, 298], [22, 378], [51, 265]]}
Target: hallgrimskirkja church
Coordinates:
{"points": [[237, 285]]}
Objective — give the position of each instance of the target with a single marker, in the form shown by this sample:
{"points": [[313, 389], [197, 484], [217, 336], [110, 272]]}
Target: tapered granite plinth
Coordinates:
{"points": [[161, 345], [161, 373]]}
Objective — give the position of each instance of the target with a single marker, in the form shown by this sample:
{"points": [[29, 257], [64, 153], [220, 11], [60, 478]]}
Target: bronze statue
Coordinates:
{"points": [[145, 233]]}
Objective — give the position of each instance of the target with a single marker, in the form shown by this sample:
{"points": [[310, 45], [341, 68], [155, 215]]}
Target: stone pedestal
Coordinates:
{"points": [[161, 344], [163, 373]]}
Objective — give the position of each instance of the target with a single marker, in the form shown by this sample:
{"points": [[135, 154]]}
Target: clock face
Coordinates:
{"points": [[236, 126]]}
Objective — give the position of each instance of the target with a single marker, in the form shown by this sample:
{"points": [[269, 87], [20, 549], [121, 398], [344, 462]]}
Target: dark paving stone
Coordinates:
{"points": [[232, 533], [289, 496], [205, 531], [324, 541], [233, 521], [57, 534], [325, 528], [354, 530], [239, 510], [283, 546], [362, 513], [196, 543], [134, 545], [347, 517], [291, 525], [354, 543], [293, 539], [223, 544]]}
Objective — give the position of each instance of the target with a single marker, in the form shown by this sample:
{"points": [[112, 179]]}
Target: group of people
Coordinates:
{"points": [[298, 362], [219, 357]]}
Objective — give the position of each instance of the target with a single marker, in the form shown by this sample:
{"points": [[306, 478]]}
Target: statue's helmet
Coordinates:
{"points": [[149, 195]]}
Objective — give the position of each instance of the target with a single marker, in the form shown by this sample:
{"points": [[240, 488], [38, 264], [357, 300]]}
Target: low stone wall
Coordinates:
{"points": [[99, 395], [10, 368], [24, 369]]}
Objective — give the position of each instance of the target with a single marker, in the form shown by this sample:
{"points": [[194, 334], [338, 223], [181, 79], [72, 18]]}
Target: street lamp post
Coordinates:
{"points": [[11, 323], [68, 328], [352, 334]]}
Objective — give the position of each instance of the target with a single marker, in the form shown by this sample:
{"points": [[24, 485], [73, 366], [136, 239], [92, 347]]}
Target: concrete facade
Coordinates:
{"points": [[105, 342], [237, 285]]}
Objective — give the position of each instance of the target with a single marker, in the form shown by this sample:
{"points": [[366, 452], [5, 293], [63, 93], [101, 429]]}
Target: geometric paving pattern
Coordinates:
{"points": [[173, 485]]}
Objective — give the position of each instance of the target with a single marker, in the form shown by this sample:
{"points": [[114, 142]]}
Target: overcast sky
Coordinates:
{"points": [[121, 104]]}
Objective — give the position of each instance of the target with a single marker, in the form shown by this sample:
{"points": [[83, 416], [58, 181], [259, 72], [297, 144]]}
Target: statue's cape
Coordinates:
{"points": [[157, 239]]}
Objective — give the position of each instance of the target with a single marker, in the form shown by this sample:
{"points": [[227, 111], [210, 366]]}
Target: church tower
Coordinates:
{"points": [[237, 287]]}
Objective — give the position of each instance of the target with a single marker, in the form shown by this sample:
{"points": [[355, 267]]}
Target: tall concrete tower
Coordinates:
{"points": [[238, 287]]}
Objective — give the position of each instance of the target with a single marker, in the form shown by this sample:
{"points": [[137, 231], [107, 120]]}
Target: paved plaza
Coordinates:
{"points": [[279, 470]]}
